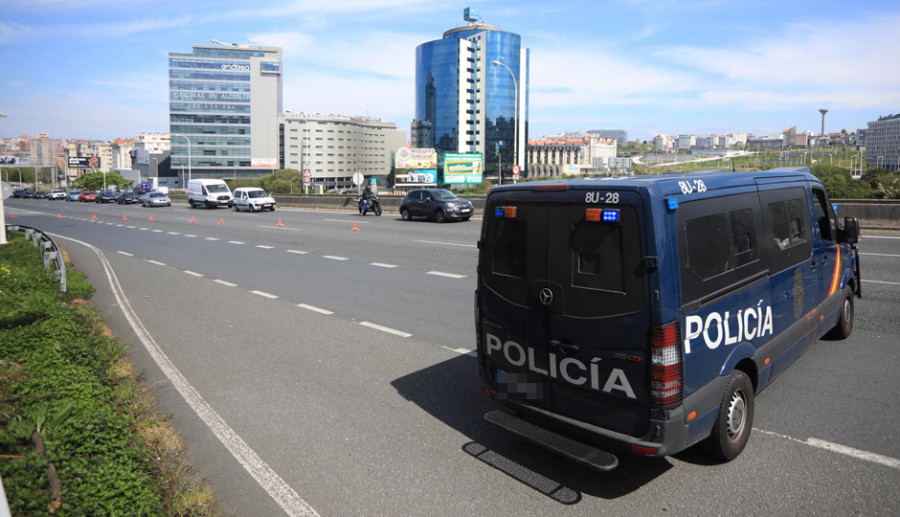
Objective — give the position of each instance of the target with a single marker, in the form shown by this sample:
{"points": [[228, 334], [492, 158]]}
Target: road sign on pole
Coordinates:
{"points": [[516, 170]]}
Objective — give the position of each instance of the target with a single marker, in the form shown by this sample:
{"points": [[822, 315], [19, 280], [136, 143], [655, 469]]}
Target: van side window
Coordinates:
{"points": [[787, 223], [827, 226], [718, 244], [787, 227]]}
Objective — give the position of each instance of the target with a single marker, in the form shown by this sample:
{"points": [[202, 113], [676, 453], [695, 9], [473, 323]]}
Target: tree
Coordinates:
{"points": [[99, 180]]}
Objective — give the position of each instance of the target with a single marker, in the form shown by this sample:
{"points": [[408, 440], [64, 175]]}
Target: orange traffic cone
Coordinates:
{"points": [[279, 223], [124, 217], [93, 217], [151, 218], [192, 220], [59, 216], [354, 229], [13, 216], [221, 220]]}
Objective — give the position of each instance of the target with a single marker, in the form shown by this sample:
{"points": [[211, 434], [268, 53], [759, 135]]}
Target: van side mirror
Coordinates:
{"points": [[850, 232]]}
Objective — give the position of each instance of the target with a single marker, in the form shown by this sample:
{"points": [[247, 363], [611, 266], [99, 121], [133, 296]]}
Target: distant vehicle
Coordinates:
{"points": [[253, 199], [87, 195], [435, 203], [209, 193], [41, 194], [106, 196], [127, 197], [57, 194], [19, 192], [73, 195], [151, 199], [27, 194]]}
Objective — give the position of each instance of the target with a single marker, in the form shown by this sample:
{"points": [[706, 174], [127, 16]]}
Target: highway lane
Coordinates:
{"points": [[360, 421]]}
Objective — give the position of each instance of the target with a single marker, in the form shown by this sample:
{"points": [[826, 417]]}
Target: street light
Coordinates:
{"points": [[497, 62], [189, 155]]}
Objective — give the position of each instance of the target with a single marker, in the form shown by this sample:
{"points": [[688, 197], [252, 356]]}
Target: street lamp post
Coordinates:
{"points": [[497, 62], [189, 156]]}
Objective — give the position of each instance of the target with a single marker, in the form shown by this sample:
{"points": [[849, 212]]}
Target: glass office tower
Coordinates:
{"points": [[464, 103], [224, 102]]}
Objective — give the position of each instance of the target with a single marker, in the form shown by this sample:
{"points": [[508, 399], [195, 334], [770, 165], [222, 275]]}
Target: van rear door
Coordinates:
{"points": [[564, 304]]}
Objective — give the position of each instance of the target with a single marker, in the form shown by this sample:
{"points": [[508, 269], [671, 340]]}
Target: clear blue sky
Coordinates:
{"points": [[98, 68]]}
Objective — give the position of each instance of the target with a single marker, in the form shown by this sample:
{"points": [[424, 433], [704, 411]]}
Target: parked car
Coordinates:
{"points": [[57, 194], [87, 195], [435, 203], [151, 199], [106, 196], [28, 194], [18, 193], [73, 195], [127, 197], [41, 194], [253, 199]]}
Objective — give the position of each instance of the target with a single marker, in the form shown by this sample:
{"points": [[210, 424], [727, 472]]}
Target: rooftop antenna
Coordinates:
{"points": [[217, 42]]}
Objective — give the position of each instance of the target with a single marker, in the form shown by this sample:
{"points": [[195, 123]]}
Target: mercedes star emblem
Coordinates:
{"points": [[546, 296]]}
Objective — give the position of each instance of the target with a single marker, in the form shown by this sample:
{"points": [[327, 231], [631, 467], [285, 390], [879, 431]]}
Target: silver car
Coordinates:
{"points": [[152, 199]]}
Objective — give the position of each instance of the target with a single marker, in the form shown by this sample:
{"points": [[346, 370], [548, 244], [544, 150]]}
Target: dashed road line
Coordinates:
{"points": [[298, 252], [265, 295], [447, 275], [448, 243], [379, 264], [125, 253], [382, 328], [211, 238], [224, 282], [333, 257], [315, 309], [236, 242], [158, 263], [264, 247], [844, 450], [880, 282], [193, 273]]}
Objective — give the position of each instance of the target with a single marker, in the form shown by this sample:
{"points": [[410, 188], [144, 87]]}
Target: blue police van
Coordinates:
{"points": [[643, 314]]}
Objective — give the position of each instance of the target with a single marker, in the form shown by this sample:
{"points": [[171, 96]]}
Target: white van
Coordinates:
{"points": [[210, 193], [253, 199]]}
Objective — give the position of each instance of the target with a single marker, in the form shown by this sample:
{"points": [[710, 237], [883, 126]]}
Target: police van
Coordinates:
{"points": [[643, 314]]}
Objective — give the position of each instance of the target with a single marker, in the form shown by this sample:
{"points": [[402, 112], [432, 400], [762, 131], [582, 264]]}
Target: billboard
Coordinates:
{"points": [[416, 158], [84, 162], [463, 168]]}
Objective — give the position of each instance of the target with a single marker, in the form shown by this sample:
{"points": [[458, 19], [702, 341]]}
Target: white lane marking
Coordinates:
{"points": [[173, 233], [132, 227], [332, 257], [298, 252], [224, 282], [190, 236], [880, 282], [158, 263], [389, 330], [157, 231], [379, 264], [265, 294], [448, 275], [212, 238], [346, 221], [125, 253], [279, 228], [870, 457], [286, 497], [235, 242], [879, 255], [448, 243], [264, 247], [192, 273], [880, 237], [315, 309]]}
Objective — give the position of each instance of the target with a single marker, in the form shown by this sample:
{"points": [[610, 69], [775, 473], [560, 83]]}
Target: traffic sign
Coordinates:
{"points": [[516, 170], [307, 176]]}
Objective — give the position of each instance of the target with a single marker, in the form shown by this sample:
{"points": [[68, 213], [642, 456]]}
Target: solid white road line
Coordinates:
{"points": [[879, 282], [288, 499], [870, 457], [448, 244]]}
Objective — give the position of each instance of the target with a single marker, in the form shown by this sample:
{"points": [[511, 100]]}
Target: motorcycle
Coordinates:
{"points": [[373, 205]]}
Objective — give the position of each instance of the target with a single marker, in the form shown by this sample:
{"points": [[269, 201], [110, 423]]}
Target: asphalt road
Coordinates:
{"points": [[313, 368]]}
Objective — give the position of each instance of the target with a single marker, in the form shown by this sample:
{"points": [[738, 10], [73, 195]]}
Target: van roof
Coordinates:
{"points": [[670, 184]]}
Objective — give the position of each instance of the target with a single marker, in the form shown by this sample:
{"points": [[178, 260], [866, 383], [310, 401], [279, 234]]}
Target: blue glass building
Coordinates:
{"points": [[464, 103], [224, 102]]}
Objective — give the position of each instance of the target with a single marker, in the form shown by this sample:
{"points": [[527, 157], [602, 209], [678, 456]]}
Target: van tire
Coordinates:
{"points": [[845, 321], [731, 430]]}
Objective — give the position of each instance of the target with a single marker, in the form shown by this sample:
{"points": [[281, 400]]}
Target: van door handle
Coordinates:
{"points": [[813, 265], [564, 346]]}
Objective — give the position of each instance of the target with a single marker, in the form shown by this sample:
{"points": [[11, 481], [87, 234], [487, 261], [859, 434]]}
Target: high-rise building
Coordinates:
{"points": [[224, 102], [883, 143], [468, 85]]}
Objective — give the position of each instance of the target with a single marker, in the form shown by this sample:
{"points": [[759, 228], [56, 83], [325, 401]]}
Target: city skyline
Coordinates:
{"points": [[98, 69]]}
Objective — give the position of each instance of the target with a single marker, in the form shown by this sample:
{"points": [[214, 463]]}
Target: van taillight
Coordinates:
{"points": [[666, 372]]}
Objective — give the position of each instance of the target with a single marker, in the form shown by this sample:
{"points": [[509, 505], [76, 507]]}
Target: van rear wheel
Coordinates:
{"points": [[845, 324], [731, 430]]}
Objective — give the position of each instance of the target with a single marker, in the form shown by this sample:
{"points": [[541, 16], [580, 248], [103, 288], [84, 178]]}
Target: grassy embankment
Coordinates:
{"points": [[79, 433]]}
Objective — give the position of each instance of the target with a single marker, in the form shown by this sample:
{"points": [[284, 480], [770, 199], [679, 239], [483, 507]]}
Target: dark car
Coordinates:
{"points": [[87, 195], [127, 198], [28, 193], [435, 203], [41, 194], [106, 196]]}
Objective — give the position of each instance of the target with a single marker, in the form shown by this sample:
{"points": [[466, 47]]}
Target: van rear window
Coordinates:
{"points": [[597, 253], [510, 243]]}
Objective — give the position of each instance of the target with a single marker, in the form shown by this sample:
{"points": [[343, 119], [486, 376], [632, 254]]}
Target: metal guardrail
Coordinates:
{"points": [[49, 251]]}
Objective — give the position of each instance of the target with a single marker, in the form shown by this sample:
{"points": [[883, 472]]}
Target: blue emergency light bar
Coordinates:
{"points": [[611, 216], [672, 204]]}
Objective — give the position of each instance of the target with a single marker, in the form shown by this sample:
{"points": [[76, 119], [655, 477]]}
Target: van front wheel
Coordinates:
{"points": [[845, 324], [735, 420]]}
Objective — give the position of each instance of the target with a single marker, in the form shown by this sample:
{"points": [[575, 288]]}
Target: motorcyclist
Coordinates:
{"points": [[364, 200]]}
